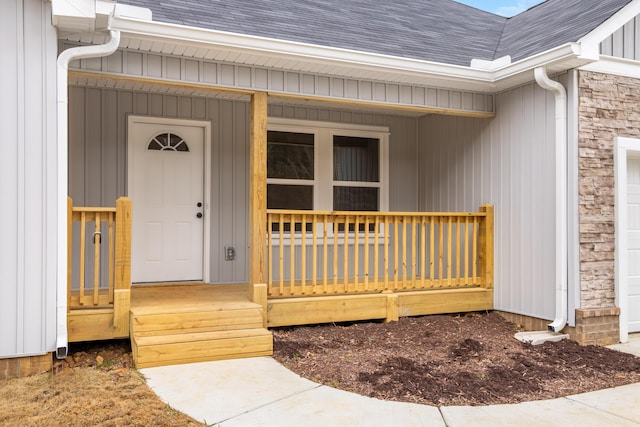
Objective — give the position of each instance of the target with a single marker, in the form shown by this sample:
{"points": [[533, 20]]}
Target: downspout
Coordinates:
{"points": [[561, 196], [64, 59]]}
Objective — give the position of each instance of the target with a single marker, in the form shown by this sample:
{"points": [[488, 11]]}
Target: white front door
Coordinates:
{"points": [[166, 185], [633, 242]]}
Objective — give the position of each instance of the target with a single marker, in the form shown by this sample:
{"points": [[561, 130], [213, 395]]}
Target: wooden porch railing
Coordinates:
{"points": [[99, 259], [328, 253]]}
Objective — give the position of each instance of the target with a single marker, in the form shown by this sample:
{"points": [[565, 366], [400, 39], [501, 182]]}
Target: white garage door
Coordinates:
{"points": [[633, 239]]}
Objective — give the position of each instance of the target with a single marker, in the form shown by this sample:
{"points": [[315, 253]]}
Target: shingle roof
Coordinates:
{"points": [[433, 30], [553, 23]]}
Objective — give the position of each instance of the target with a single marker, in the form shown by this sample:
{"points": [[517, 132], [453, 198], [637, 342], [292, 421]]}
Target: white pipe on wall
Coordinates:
{"points": [[561, 196], [64, 59]]}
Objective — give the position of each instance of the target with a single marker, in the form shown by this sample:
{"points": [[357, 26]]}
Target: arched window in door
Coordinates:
{"points": [[168, 141]]}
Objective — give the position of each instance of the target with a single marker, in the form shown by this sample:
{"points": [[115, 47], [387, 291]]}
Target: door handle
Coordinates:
{"points": [[199, 214]]}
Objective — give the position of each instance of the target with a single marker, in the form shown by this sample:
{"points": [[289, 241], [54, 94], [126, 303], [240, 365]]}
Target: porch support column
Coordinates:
{"points": [[258, 200]]}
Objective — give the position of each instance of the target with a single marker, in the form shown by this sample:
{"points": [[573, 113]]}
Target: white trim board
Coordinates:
{"points": [[324, 132], [616, 66], [206, 125], [624, 148]]}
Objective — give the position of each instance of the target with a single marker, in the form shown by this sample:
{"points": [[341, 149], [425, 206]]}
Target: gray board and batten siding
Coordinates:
{"points": [[436, 163], [507, 161], [28, 172], [171, 68], [625, 42], [98, 156]]}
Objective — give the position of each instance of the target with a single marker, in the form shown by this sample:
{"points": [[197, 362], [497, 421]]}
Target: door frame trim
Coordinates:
{"points": [[625, 148], [206, 126]]}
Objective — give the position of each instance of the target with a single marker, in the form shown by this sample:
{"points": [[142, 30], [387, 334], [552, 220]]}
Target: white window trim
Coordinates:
{"points": [[323, 182]]}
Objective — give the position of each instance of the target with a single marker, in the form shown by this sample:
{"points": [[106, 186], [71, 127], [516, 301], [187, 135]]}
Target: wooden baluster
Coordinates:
{"points": [[386, 252], [314, 256], [303, 254], [292, 255], [396, 253], [97, 239], [432, 250], [345, 254], [404, 251], [111, 217], [458, 228], [336, 235], [376, 252], [474, 256], [466, 251], [366, 252], [281, 253], [83, 248], [441, 251], [356, 250], [414, 246], [449, 250], [270, 253], [325, 253], [423, 253]]}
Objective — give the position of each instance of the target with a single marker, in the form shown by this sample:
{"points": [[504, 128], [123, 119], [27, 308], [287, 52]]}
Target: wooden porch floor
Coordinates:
{"points": [[187, 297], [186, 323], [195, 322]]}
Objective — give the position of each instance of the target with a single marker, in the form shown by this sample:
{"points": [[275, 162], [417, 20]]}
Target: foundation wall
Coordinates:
{"points": [[598, 326], [17, 367]]}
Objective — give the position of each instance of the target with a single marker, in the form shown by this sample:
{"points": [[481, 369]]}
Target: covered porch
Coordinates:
{"points": [[303, 266]]}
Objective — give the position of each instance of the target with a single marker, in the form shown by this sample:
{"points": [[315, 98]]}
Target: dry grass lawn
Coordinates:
{"points": [[94, 386]]}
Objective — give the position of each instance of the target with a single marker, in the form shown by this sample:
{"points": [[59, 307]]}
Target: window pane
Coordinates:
{"points": [[356, 159], [355, 199], [293, 197], [289, 155]]}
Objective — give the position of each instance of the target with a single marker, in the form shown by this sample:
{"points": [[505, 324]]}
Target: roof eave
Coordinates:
{"points": [[447, 75], [591, 41], [556, 60]]}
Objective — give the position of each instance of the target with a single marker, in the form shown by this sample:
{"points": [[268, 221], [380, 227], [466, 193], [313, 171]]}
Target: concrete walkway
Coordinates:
{"points": [[261, 392]]}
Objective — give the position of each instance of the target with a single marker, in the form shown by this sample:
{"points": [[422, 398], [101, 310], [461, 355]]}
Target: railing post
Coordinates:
{"points": [[258, 201], [122, 285], [486, 247]]}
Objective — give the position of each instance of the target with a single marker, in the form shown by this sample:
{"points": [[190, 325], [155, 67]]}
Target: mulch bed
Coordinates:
{"points": [[444, 360]]}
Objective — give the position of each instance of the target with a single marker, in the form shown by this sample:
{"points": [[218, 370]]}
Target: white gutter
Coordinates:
{"points": [[561, 196], [62, 112]]}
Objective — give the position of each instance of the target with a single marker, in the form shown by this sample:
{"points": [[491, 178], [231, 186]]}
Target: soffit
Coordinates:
{"points": [[207, 51]]}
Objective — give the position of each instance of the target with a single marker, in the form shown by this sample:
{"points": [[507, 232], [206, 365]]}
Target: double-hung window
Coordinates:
{"points": [[326, 167]]}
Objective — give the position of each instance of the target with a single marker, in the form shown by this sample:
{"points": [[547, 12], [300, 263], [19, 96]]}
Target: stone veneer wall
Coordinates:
{"points": [[609, 106]]}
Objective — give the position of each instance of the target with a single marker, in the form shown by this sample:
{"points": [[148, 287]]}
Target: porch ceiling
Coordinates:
{"points": [[141, 85], [78, 78]]}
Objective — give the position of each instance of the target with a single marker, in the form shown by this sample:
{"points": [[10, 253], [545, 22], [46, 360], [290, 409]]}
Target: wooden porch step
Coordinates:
{"points": [[161, 350], [195, 323], [169, 323]]}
